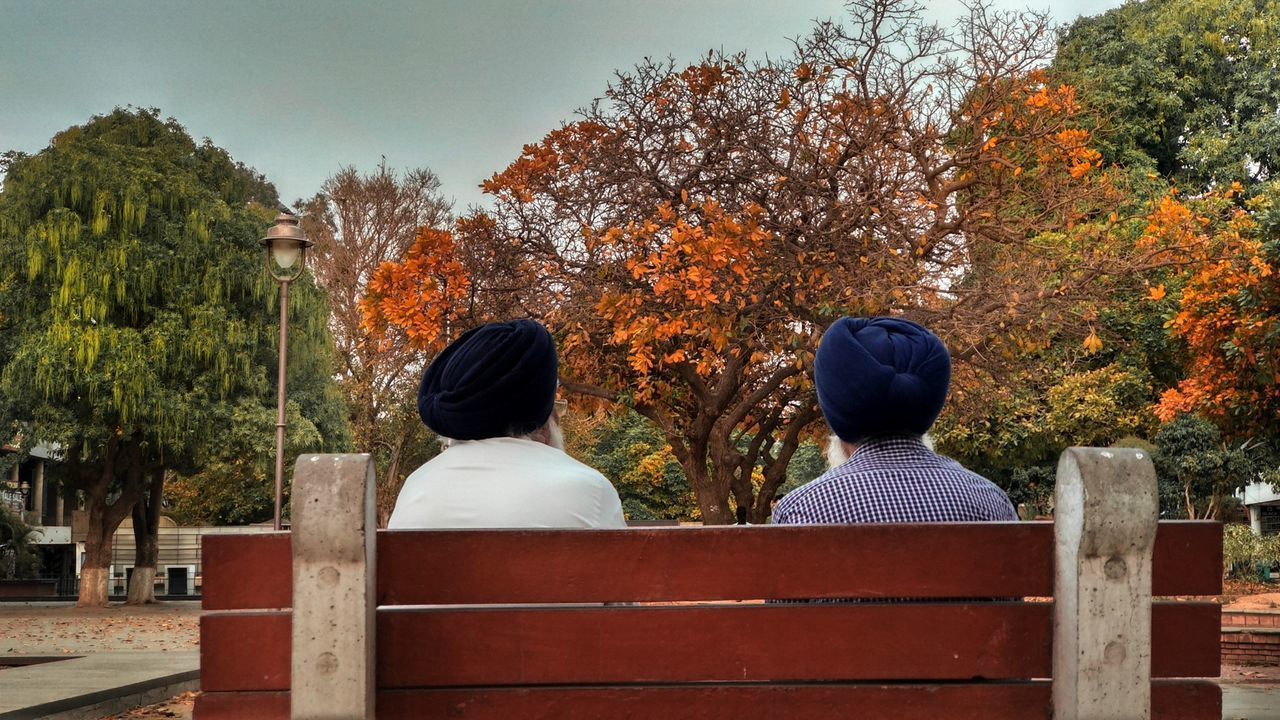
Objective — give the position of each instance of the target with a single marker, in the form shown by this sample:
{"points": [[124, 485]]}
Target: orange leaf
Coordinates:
{"points": [[1093, 343]]}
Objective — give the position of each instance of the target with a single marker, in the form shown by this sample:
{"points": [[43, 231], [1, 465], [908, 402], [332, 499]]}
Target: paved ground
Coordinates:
{"points": [[1251, 702], [97, 684], [109, 648]]}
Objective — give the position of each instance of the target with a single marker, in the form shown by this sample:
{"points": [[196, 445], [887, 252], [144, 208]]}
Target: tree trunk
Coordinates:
{"points": [[97, 555], [104, 518], [690, 448], [146, 537], [713, 502], [389, 488]]}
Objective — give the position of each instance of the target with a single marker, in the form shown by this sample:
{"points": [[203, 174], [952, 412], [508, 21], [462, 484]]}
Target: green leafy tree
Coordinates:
{"points": [[631, 452], [18, 556], [136, 312], [235, 486], [1243, 550], [1190, 86], [1097, 407], [1191, 453]]}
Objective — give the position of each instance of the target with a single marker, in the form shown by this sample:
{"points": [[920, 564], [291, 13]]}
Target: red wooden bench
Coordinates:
{"points": [[509, 624]]}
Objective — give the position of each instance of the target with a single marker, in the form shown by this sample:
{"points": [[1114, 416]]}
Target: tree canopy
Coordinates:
{"points": [[691, 236], [135, 308], [360, 221], [1189, 87]]}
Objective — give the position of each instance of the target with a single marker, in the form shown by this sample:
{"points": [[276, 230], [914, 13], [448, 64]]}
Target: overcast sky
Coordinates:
{"points": [[298, 89]]}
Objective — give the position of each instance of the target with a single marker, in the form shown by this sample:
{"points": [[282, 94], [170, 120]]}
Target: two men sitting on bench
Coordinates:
{"points": [[881, 383]]}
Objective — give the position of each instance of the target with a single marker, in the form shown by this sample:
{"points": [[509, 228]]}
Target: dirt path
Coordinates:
{"points": [[63, 629], [1264, 601]]}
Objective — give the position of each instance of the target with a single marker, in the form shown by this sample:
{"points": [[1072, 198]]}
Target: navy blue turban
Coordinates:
{"points": [[880, 376], [496, 380]]}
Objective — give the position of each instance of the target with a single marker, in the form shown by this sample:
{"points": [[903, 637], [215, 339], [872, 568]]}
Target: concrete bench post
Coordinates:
{"points": [[1105, 515], [333, 537]]}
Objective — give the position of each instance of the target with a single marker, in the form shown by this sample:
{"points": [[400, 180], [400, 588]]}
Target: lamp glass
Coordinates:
{"points": [[285, 252]]}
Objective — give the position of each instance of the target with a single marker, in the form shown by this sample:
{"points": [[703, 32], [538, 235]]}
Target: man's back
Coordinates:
{"points": [[506, 483], [895, 480]]}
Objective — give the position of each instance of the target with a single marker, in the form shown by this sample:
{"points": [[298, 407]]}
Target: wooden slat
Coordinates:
{"points": [[246, 572], [673, 564], [1188, 558], [744, 643], [707, 643], [727, 563], [1186, 639], [269, 705], [1171, 700], [245, 651]]}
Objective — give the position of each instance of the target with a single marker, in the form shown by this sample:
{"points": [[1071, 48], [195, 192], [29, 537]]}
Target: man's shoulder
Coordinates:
{"points": [[818, 490], [938, 490]]}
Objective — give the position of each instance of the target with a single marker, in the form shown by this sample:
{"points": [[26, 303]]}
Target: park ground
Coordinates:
{"points": [[63, 629]]}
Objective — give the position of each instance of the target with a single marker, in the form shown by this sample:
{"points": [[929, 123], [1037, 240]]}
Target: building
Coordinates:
{"points": [[178, 568], [42, 505], [62, 525], [1262, 501]]}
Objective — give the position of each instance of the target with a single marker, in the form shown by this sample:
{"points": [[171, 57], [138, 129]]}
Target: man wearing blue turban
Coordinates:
{"points": [[881, 384], [491, 396]]}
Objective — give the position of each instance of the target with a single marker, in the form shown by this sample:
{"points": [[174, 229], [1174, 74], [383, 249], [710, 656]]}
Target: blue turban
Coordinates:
{"points": [[496, 380], [880, 376]]}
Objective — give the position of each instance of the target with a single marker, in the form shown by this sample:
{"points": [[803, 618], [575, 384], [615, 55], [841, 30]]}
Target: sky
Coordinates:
{"points": [[299, 89]]}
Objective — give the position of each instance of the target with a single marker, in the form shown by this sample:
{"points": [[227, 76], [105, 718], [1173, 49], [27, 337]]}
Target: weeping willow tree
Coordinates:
{"points": [[136, 314]]}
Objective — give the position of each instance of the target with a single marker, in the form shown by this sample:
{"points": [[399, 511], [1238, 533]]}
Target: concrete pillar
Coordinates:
{"points": [[37, 505], [1255, 518], [334, 528], [1105, 527], [59, 509]]}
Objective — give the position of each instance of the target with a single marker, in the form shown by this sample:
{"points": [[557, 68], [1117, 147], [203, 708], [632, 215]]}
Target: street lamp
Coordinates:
{"points": [[286, 257]]}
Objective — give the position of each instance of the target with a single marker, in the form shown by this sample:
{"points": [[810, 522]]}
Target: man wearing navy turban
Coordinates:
{"points": [[491, 396], [881, 384]]}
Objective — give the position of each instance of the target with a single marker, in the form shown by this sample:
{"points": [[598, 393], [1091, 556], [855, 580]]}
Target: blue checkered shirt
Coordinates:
{"points": [[895, 480]]}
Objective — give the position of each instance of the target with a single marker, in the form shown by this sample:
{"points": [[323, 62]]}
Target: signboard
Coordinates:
{"points": [[53, 535]]}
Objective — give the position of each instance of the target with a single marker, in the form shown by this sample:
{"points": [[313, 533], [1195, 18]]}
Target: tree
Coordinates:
{"points": [[1228, 315], [234, 485], [18, 556], [1189, 86], [135, 310], [691, 236], [1098, 407], [1191, 452], [359, 222], [635, 457]]}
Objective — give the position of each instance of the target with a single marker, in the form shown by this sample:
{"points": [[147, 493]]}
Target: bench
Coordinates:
{"points": [[670, 622]]}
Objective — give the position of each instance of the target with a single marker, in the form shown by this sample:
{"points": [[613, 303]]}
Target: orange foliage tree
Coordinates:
{"points": [[1228, 312], [692, 235]]}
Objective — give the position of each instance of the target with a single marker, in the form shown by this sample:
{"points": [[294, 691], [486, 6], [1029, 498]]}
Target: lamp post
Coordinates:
{"points": [[286, 257]]}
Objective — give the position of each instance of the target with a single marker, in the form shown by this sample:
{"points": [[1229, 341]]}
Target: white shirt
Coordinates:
{"points": [[506, 483]]}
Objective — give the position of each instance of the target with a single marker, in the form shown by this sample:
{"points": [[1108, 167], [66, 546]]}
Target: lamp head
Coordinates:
{"points": [[286, 242]]}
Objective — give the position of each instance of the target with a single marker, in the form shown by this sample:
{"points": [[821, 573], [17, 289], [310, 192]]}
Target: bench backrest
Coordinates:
{"points": [[670, 622]]}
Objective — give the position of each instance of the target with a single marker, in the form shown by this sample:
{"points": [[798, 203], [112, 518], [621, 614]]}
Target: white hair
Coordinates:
{"points": [[839, 451], [549, 434]]}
